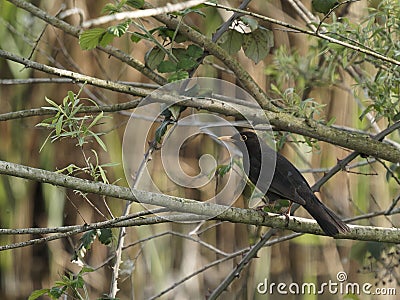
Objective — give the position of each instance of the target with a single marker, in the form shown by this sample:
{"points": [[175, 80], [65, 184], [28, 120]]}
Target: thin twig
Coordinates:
{"points": [[142, 13], [244, 261]]}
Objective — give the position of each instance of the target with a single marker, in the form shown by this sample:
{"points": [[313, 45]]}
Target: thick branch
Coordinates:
{"points": [[232, 214], [110, 85], [282, 121]]}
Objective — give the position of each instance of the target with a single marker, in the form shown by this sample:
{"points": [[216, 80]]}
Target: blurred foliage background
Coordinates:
{"points": [[309, 76]]}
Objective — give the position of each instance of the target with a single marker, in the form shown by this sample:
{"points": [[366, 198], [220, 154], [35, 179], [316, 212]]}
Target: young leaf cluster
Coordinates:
{"points": [[70, 286], [68, 122]]}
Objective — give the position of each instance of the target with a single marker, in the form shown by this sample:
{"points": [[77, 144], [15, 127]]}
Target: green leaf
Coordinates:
{"points": [[323, 6], [179, 53], [331, 121], [43, 124], [86, 269], [223, 169], [90, 39], [56, 292], [105, 236], [106, 39], [281, 204], [175, 111], [70, 169], [167, 67], [110, 164], [258, 44], [194, 51], [275, 89], [88, 238], [186, 63], [103, 174], [69, 133], [120, 29], [231, 41], [78, 283], [99, 141], [75, 110], [51, 102], [110, 8], [59, 125], [154, 57], [172, 112], [179, 75], [136, 37], [135, 3], [71, 97], [251, 22], [95, 120], [36, 294]]}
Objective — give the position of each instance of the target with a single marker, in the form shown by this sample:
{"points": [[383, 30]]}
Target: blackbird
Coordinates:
{"points": [[287, 182]]}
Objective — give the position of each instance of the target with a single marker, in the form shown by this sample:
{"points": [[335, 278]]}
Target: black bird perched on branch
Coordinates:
{"points": [[287, 182]]}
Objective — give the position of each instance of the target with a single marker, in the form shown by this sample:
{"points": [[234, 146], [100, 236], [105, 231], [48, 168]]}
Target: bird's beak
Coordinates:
{"points": [[225, 138]]}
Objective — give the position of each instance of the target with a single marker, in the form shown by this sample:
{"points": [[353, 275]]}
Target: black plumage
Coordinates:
{"points": [[287, 182]]}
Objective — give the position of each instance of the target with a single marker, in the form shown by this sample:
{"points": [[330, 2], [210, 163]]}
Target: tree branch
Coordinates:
{"points": [[282, 121], [142, 13], [110, 85], [224, 213]]}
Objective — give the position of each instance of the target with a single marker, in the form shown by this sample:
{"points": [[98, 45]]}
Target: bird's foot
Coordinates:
{"points": [[277, 208], [287, 218], [287, 214]]}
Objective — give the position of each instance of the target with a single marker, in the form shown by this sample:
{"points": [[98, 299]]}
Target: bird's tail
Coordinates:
{"points": [[330, 223]]}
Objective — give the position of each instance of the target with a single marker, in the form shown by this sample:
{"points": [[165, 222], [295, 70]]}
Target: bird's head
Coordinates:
{"points": [[249, 138]]}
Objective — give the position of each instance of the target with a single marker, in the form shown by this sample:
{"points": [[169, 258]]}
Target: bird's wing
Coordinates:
{"points": [[288, 182]]}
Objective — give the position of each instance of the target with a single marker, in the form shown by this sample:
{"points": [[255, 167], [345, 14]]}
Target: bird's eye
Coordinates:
{"points": [[243, 137]]}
